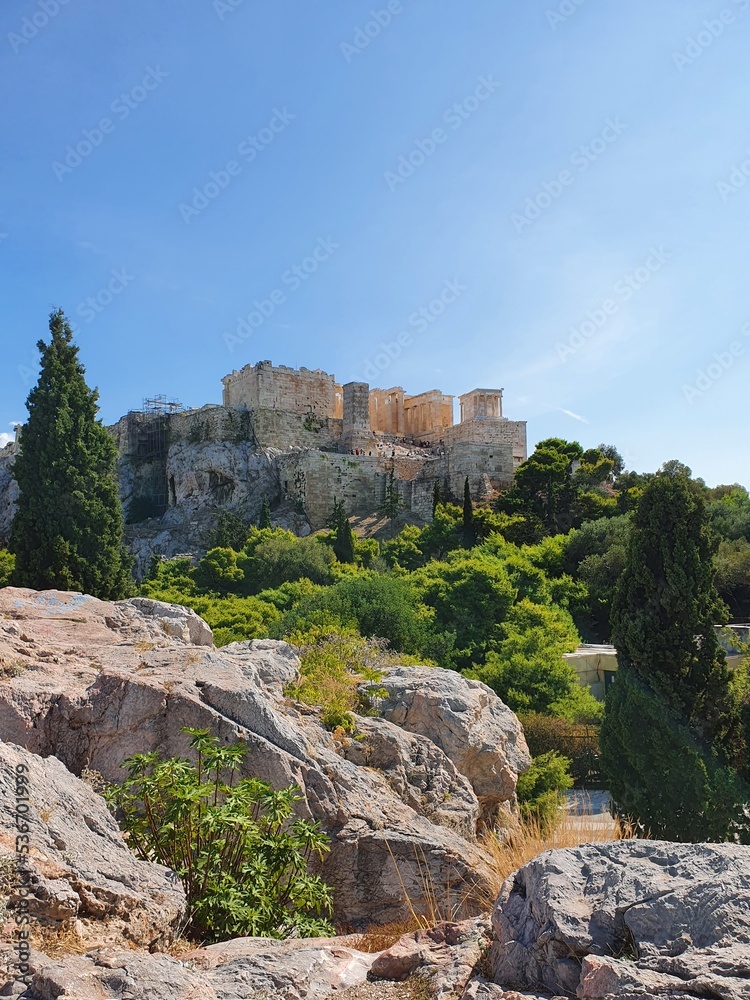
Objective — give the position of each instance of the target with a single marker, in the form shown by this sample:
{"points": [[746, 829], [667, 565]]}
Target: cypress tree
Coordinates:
{"points": [[436, 498], [671, 737], [342, 535], [469, 532], [343, 545], [265, 513], [391, 504], [68, 531]]}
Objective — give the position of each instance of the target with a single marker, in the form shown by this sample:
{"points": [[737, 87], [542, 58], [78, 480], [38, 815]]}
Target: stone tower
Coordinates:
{"points": [[356, 430]]}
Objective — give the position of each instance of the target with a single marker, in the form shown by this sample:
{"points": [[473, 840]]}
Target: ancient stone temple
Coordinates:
{"points": [[302, 439]]}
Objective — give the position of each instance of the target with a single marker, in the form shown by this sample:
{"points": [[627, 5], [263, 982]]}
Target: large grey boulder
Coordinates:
{"points": [[418, 772], [629, 918], [79, 873], [95, 682], [469, 723]]}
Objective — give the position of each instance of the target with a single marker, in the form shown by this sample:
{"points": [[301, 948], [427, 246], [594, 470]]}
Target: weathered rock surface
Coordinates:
{"points": [[95, 682], [79, 872], [677, 915], [444, 956], [467, 721], [481, 989], [418, 772]]}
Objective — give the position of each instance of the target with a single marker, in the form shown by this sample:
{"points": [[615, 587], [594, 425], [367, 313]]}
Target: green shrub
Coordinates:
{"points": [[273, 556], [541, 789], [334, 661], [241, 857], [471, 593], [218, 570], [7, 565], [230, 532], [527, 669], [578, 743], [373, 604]]}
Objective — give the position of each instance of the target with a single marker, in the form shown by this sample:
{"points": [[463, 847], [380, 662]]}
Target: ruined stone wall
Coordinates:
{"points": [[511, 433], [489, 467], [273, 429], [289, 390], [315, 479]]}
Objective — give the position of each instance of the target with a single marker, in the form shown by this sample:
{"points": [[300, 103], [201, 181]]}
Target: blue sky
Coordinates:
{"points": [[544, 196]]}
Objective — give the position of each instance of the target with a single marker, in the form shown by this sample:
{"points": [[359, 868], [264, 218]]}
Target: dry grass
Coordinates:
{"points": [[519, 846], [377, 939], [11, 668], [529, 840], [57, 941]]}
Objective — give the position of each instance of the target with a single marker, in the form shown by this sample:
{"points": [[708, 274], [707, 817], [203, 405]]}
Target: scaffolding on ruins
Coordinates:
{"points": [[147, 432]]}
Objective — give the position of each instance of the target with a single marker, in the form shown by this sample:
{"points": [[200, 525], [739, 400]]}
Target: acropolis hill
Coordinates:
{"points": [[301, 439]]}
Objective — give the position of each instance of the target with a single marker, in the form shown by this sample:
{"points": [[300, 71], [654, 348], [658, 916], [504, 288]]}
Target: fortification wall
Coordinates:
{"points": [[289, 390], [315, 479], [273, 429]]}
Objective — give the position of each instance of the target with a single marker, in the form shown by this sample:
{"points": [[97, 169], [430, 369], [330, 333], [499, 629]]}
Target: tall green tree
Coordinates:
{"points": [[559, 487], [68, 531], [436, 496], [343, 537], [671, 738], [392, 503], [265, 514], [469, 534]]}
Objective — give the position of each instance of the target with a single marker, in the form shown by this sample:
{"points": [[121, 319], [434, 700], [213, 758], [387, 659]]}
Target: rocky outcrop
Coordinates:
{"points": [[418, 772], [444, 957], [78, 873], [615, 921], [94, 682], [467, 721], [627, 919]]}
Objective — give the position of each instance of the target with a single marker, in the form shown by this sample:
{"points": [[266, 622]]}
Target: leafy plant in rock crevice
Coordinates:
{"points": [[242, 858]]}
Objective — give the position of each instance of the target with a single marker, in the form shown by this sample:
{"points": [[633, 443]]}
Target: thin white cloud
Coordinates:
{"points": [[574, 416], [6, 439]]}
